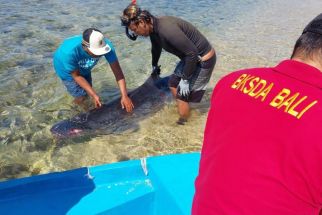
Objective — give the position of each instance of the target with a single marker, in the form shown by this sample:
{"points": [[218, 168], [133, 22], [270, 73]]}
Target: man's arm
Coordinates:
{"points": [[81, 81], [126, 102], [155, 50], [179, 41]]}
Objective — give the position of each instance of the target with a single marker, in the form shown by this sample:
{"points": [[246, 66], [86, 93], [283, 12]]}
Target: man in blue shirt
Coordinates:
{"points": [[74, 60]]}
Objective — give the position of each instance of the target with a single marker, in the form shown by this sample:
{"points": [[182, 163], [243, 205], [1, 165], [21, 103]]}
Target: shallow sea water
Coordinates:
{"points": [[249, 33]]}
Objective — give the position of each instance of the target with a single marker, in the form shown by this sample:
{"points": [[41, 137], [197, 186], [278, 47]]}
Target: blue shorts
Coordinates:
{"points": [[74, 89]]}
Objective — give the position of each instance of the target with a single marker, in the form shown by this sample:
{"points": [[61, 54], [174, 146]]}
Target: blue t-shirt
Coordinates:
{"points": [[71, 56]]}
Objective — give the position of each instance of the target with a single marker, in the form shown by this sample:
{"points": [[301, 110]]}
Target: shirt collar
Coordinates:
{"points": [[300, 71]]}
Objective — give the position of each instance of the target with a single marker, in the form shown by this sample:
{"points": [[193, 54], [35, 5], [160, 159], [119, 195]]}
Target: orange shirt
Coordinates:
{"points": [[262, 150]]}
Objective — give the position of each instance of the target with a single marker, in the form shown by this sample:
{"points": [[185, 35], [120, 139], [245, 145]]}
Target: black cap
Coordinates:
{"points": [[315, 26]]}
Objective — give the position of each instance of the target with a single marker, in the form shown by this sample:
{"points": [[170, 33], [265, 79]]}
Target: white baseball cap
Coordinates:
{"points": [[93, 39]]}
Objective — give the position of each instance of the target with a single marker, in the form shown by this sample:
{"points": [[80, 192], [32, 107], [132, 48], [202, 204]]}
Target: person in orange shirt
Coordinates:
{"points": [[262, 149]]}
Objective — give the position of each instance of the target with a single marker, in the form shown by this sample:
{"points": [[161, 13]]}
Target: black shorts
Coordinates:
{"points": [[198, 81]]}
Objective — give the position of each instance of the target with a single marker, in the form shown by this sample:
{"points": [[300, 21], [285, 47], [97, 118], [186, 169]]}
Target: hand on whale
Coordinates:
{"points": [[148, 98]]}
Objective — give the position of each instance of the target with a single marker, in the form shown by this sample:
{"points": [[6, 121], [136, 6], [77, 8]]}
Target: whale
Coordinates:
{"points": [[110, 118]]}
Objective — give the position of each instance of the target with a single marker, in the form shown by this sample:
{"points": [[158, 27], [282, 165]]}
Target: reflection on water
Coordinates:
{"points": [[245, 34]]}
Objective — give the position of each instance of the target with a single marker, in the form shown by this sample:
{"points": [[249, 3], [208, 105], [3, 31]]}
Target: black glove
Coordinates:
{"points": [[156, 70]]}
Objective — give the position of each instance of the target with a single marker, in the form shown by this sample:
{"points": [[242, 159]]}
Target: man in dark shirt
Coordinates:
{"points": [[179, 37]]}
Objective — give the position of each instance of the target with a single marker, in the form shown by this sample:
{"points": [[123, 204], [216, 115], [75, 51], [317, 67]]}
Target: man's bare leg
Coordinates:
{"points": [[183, 107], [184, 111], [173, 92]]}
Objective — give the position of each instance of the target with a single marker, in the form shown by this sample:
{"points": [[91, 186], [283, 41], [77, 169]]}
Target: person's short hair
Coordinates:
{"points": [[315, 26], [309, 45]]}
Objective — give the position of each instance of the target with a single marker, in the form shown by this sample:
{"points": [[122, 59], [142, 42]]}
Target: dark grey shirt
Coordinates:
{"points": [[180, 38]]}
